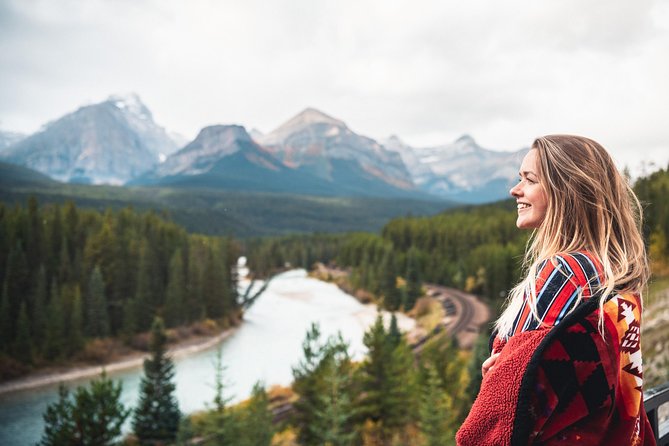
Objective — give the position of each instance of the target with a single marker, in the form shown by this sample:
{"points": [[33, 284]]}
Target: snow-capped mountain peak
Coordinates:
{"points": [[310, 116], [131, 103], [461, 170]]}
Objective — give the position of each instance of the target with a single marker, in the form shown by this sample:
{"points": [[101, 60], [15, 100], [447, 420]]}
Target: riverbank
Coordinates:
{"points": [[50, 376]]}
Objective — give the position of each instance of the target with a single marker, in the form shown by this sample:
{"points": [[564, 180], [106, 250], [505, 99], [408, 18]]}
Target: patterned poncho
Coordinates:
{"points": [[557, 381]]}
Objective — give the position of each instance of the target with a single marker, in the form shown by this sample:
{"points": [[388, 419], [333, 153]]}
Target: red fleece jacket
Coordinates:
{"points": [[565, 384]]}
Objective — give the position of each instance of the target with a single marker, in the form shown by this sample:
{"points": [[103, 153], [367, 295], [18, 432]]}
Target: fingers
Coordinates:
{"points": [[489, 363]]}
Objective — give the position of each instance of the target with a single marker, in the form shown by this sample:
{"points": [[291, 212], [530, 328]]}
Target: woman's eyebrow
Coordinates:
{"points": [[526, 172]]}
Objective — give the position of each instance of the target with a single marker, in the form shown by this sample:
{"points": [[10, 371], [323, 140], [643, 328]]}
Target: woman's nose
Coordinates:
{"points": [[515, 190]]}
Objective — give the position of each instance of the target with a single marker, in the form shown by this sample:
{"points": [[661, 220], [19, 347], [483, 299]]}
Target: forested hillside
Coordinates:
{"points": [[653, 191], [477, 249], [71, 276]]}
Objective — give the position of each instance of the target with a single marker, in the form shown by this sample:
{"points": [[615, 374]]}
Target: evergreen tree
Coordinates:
{"points": [[392, 297], [256, 421], [175, 302], [213, 286], [443, 354], [55, 240], [399, 402], [220, 398], [54, 342], [23, 346], [75, 332], [39, 317], [6, 335], [314, 408], [64, 271], [394, 336], [434, 411], [388, 382], [129, 319], [144, 301], [372, 373], [17, 279], [414, 286], [97, 321], [35, 236], [157, 416], [94, 416], [59, 426], [479, 355], [334, 415]]}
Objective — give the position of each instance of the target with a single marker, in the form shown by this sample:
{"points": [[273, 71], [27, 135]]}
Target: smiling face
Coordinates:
{"points": [[530, 194]]}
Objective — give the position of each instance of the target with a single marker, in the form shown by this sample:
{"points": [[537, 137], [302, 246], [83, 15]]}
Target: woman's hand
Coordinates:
{"points": [[489, 363]]}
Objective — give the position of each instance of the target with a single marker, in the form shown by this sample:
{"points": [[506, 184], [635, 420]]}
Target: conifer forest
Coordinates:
{"points": [[79, 283]]}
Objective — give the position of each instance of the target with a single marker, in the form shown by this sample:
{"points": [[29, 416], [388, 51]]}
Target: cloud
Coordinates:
{"points": [[428, 71]]}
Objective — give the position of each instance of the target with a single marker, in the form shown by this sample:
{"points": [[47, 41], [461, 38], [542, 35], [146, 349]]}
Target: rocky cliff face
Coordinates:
{"points": [[213, 144], [106, 143], [322, 145], [9, 138], [461, 170]]}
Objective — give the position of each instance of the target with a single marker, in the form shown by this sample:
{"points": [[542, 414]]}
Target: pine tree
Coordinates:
{"points": [[129, 319], [220, 398], [17, 279], [55, 240], [75, 332], [257, 428], [335, 413], [97, 320], [442, 353], [392, 297], [54, 342], [314, 408], [394, 336], [213, 286], [479, 354], [157, 415], [144, 301], [35, 241], [59, 427], [372, 373], [64, 271], [39, 317], [414, 286], [175, 302], [434, 411], [93, 416], [398, 402], [5, 319], [387, 378], [23, 346]]}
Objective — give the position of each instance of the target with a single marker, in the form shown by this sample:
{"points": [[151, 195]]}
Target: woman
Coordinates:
{"points": [[565, 367]]}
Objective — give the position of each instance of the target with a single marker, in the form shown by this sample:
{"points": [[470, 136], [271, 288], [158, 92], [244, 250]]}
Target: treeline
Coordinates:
{"points": [[391, 397], [70, 275], [477, 249], [653, 191]]}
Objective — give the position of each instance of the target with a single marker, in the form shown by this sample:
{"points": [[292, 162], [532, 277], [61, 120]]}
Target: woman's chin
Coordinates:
{"points": [[523, 223]]}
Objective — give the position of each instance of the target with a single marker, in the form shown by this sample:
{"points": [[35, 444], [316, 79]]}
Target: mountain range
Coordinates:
{"points": [[117, 142], [107, 143]]}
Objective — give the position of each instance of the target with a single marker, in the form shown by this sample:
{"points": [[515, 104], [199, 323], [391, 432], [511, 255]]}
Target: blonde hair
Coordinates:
{"points": [[591, 207]]}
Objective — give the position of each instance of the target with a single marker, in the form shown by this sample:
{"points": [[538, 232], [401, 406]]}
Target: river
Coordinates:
{"points": [[264, 348]]}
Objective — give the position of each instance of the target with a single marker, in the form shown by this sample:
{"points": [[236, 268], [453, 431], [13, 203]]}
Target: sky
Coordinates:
{"points": [[427, 71]]}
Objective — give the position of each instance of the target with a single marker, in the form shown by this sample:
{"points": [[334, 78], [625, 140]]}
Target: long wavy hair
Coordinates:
{"points": [[591, 207]]}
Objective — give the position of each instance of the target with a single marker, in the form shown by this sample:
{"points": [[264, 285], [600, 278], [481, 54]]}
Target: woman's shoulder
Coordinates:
{"points": [[581, 268]]}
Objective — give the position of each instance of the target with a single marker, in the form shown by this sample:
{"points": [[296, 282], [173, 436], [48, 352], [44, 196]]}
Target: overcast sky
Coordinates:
{"points": [[425, 70]]}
